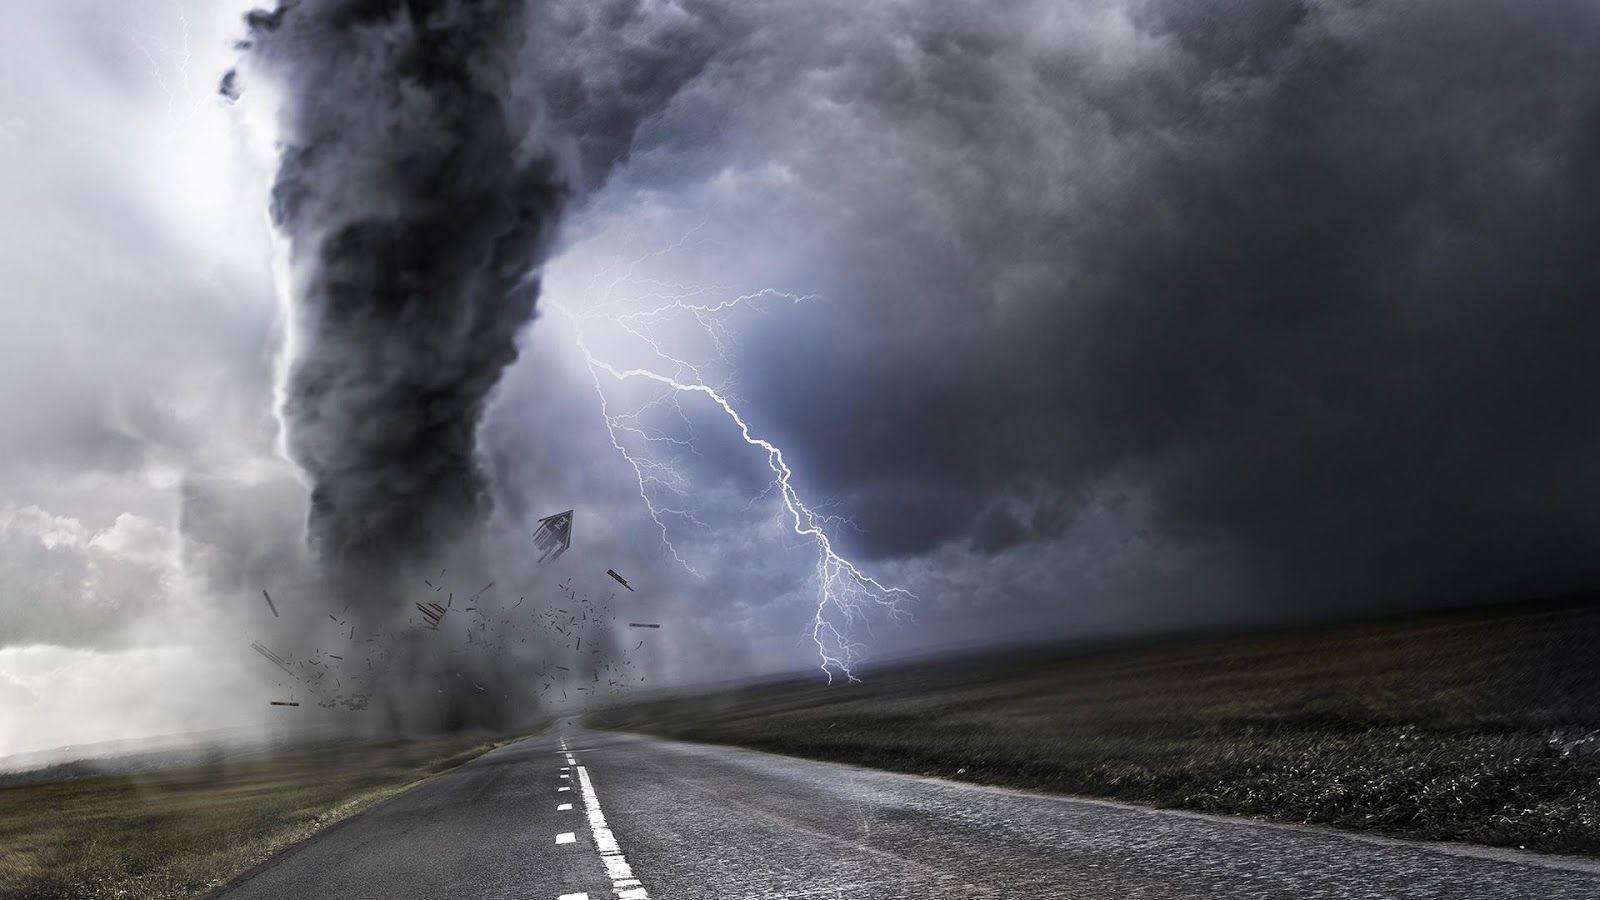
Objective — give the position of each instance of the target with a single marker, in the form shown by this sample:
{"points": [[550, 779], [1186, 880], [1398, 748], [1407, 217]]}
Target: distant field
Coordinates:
{"points": [[1474, 726], [184, 831]]}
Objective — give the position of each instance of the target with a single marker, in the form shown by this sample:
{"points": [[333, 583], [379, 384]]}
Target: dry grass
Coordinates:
{"points": [[1475, 726], [185, 831]]}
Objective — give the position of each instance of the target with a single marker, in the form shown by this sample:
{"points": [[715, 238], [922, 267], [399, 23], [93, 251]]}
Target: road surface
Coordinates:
{"points": [[584, 815]]}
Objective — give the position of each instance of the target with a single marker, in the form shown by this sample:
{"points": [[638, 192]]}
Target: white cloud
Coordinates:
{"points": [[61, 580], [55, 696]]}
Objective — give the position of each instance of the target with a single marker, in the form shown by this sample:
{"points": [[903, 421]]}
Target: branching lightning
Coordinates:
{"points": [[845, 594], [162, 57]]}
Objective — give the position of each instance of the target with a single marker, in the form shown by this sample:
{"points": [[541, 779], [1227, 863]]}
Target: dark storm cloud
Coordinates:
{"points": [[1358, 304], [1320, 275], [605, 68]]}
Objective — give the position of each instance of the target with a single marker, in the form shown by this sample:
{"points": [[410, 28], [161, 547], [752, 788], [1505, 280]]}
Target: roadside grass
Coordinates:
{"points": [[185, 831], [1479, 726]]}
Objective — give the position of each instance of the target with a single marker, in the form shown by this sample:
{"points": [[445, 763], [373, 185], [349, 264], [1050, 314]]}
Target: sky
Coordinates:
{"points": [[1074, 319]]}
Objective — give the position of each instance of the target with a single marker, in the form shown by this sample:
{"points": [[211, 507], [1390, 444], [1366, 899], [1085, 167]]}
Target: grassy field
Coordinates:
{"points": [[1473, 726], [184, 831]]}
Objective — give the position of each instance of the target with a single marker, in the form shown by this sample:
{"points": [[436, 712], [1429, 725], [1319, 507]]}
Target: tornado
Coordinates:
{"points": [[414, 196], [424, 153]]}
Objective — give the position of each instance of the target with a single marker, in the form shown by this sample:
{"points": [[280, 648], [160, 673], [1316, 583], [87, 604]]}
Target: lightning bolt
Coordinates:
{"points": [[845, 594], [179, 59]]}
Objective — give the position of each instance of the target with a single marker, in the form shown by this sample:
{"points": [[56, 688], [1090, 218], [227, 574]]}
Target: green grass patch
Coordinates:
{"points": [[1472, 726]]}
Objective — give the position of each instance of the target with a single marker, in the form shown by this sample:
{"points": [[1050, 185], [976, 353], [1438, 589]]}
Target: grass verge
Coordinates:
{"points": [[185, 831], [1476, 726]]}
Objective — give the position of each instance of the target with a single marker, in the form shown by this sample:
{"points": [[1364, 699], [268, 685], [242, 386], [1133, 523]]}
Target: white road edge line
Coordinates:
{"points": [[622, 881]]}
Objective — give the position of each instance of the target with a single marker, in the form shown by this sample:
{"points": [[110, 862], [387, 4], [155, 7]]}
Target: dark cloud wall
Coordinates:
{"points": [[1315, 276], [1346, 324]]}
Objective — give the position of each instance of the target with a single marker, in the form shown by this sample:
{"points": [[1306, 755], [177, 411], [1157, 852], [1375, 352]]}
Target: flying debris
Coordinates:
{"points": [[620, 580], [270, 605], [489, 626], [554, 535], [433, 612], [277, 660]]}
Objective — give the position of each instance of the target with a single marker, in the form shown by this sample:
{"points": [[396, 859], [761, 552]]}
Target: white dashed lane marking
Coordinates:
{"points": [[626, 886], [623, 883]]}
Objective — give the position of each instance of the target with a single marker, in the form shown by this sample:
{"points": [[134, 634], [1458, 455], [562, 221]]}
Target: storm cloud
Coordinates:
{"points": [[1314, 277], [1127, 315]]}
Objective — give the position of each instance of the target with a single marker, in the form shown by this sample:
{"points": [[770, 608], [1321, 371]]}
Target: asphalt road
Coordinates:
{"points": [[650, 818]]}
